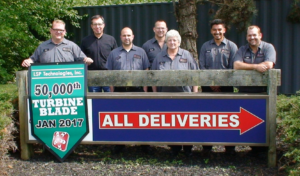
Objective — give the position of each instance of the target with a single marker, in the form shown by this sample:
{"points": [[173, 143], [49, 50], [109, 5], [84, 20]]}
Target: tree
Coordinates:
{"points": [[235, 12]]}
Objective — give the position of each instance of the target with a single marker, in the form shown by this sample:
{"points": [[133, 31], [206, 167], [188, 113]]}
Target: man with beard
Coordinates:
{"points": [[217, 53], [127, 57], [256, 55], [98, 46]]}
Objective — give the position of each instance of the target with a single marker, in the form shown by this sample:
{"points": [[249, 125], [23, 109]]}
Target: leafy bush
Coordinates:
{"points": [[8, 93], [288, 115]]}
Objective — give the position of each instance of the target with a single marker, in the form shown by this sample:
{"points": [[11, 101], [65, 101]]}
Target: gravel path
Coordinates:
{"points": [[98, 160]]}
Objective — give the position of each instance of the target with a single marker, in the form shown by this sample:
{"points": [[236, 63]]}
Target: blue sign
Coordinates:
{"points": [[239, 121]]}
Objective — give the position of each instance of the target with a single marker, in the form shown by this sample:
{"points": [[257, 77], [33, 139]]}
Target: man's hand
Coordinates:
{"points": [[27, 62], [88, 60], [262, 67]]}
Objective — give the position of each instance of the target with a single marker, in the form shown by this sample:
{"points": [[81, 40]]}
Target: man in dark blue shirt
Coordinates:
{"points": [[217, 53]]}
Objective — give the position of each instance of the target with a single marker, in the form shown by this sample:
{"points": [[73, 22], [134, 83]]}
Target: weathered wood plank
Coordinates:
{"points": [[272, 91], [180, 78], [26, 149]]}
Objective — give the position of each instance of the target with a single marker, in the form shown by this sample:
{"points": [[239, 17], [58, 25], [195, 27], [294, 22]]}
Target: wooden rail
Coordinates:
{"points": [[271, 79]]}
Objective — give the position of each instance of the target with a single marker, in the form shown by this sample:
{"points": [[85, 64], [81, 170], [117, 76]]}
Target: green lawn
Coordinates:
{"points": [[8, 95]]}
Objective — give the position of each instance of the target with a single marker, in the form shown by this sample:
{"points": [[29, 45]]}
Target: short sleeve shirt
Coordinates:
{"points": [[266, 52], [182, 61], [98, 49], [213, 56], [66, 51], [152, 48], [134, 59]]}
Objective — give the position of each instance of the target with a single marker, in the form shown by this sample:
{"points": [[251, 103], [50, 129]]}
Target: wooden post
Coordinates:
{"points": [[26, 149], [273, 80]]}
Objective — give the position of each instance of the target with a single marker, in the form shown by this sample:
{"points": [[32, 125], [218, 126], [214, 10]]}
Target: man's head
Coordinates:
{"points": [[254, 36], [58, 31], [218, 29], [160, 29], [97, 24], [126, 37]]}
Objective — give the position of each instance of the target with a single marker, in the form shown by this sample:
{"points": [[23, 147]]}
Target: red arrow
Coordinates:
{"points": [[243, 120], [248, 121]]}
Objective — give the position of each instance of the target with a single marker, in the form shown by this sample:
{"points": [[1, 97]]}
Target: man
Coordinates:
{"points": [[217, 53], [127, 57], [57, 49], [155, 45], [98, 46], [256, 55]]}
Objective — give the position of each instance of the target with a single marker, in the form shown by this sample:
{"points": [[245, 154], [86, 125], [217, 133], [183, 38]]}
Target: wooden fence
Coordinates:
{"points": [[271, 79]]}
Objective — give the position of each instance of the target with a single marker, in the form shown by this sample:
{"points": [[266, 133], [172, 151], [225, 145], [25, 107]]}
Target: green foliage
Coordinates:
{"points": [[294, 14], [237, 12], [113, 2], [8, 93], [288, 113], [24, 24]]}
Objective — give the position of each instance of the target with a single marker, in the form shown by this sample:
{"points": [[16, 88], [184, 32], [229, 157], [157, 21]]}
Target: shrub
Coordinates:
{"points": [[8, 93], [288, 115]]}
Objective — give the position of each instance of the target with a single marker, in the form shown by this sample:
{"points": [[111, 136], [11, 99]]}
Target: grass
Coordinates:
{"points": [[8, 96]]}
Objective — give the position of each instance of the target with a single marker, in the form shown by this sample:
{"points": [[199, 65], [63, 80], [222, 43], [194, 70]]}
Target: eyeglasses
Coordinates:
{"points": [[160, 28], [58, 30], [98, 24]]}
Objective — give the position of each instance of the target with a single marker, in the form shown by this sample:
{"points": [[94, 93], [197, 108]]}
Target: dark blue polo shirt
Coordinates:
{"points": [[134, 59], [152, 48], [66, 51], [213, 56], [182, 61], [266, 52]]}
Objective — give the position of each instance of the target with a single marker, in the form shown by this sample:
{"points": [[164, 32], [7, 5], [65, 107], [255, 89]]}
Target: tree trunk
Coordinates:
{"points": [[187, 24]]}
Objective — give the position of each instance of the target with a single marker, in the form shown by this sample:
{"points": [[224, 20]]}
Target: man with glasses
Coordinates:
{"points": [[98, 46], [153, 46], [57, 49]]}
